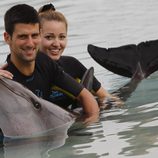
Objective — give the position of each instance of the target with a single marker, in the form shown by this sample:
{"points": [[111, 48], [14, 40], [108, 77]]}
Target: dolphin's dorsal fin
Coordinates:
{"points": [[87, 79], [87, 82]]}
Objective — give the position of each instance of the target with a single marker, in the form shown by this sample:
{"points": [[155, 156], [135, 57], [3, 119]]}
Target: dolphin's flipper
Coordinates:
{"points": [[123, 60]]}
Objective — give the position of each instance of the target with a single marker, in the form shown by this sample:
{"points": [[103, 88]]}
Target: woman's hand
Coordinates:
{"points": [[109, 102], [5, 73], [88, 119]]}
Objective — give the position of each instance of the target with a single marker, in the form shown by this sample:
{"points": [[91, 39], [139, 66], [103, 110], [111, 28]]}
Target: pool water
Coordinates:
{"points": [[130, 131]]}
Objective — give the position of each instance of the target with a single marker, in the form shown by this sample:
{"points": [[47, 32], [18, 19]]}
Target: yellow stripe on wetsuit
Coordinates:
{"points": [[56, 88]]}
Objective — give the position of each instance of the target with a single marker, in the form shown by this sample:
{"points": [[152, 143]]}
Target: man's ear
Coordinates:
{"points": [[6, 37]]}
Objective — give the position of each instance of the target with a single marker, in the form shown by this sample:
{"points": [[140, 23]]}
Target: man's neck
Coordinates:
{"points": [[26, 68]]}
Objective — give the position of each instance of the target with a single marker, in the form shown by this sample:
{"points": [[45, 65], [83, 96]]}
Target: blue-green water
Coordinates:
{"points": [[131, 131]]}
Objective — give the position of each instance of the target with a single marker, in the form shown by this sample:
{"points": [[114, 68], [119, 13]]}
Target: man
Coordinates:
{"points": [[34, 69]]}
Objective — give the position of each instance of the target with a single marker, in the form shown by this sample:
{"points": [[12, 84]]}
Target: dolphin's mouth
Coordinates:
{"points": [[52, 135]]}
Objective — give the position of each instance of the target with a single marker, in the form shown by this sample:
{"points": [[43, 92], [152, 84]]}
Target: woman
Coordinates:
{"points": [[54, 28]]}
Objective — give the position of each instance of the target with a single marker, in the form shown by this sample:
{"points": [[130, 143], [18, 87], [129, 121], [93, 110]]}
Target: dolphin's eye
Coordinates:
{"points": [[36, 104]]}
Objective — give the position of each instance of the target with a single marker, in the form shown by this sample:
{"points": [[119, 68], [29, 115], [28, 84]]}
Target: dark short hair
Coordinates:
{"points": [[21, 13]]}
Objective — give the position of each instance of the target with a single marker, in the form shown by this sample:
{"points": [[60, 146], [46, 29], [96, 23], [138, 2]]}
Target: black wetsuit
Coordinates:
{"points": [[76, 70], [46, 74]]}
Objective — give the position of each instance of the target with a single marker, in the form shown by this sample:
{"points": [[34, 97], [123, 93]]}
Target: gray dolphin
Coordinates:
{"points": [[125, 91], [23, 115]]}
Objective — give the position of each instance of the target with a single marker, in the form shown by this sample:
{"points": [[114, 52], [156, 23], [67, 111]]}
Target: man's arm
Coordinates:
{"points": [[90, 106]]}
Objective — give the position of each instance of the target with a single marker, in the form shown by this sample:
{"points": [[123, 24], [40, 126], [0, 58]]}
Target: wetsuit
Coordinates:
{"points": [[76, 70], [46, 73]]}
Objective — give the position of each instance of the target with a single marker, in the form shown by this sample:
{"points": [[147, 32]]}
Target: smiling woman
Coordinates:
{"points": [[54, 28]]}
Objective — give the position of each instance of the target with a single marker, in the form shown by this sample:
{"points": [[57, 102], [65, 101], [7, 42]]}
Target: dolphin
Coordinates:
{"points": [[123, 92], [123, 60], [126, 90], [25, 116]]}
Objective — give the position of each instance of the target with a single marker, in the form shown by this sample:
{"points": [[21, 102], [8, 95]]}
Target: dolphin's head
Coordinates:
{"points": [[23, 114]]}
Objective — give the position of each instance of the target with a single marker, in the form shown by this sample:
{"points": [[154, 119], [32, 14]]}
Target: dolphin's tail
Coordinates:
{"points": [[123, 60], [139, 74], [126, 91]]}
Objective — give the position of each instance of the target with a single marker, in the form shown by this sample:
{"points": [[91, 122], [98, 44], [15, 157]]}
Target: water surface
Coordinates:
{"points": [[128, 132]]}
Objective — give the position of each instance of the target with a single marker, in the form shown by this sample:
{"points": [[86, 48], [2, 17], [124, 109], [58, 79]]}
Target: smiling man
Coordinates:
{"points": [[34, 69]]}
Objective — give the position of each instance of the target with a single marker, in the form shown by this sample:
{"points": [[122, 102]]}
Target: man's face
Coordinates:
{"points": [[24, 43]]}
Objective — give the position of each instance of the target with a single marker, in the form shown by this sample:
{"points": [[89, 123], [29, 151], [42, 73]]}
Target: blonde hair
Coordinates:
{"points": [[49, 14]]}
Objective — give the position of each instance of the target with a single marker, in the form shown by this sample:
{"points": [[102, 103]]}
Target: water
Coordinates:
{"points": [[128, 132]]}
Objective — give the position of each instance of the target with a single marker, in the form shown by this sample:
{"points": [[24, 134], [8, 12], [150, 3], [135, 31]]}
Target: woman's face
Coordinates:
{"points": [[53, 38]]}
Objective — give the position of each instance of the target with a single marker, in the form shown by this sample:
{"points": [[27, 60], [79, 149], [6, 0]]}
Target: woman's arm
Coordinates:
{"points": [[90, 106], [5, 73]]}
